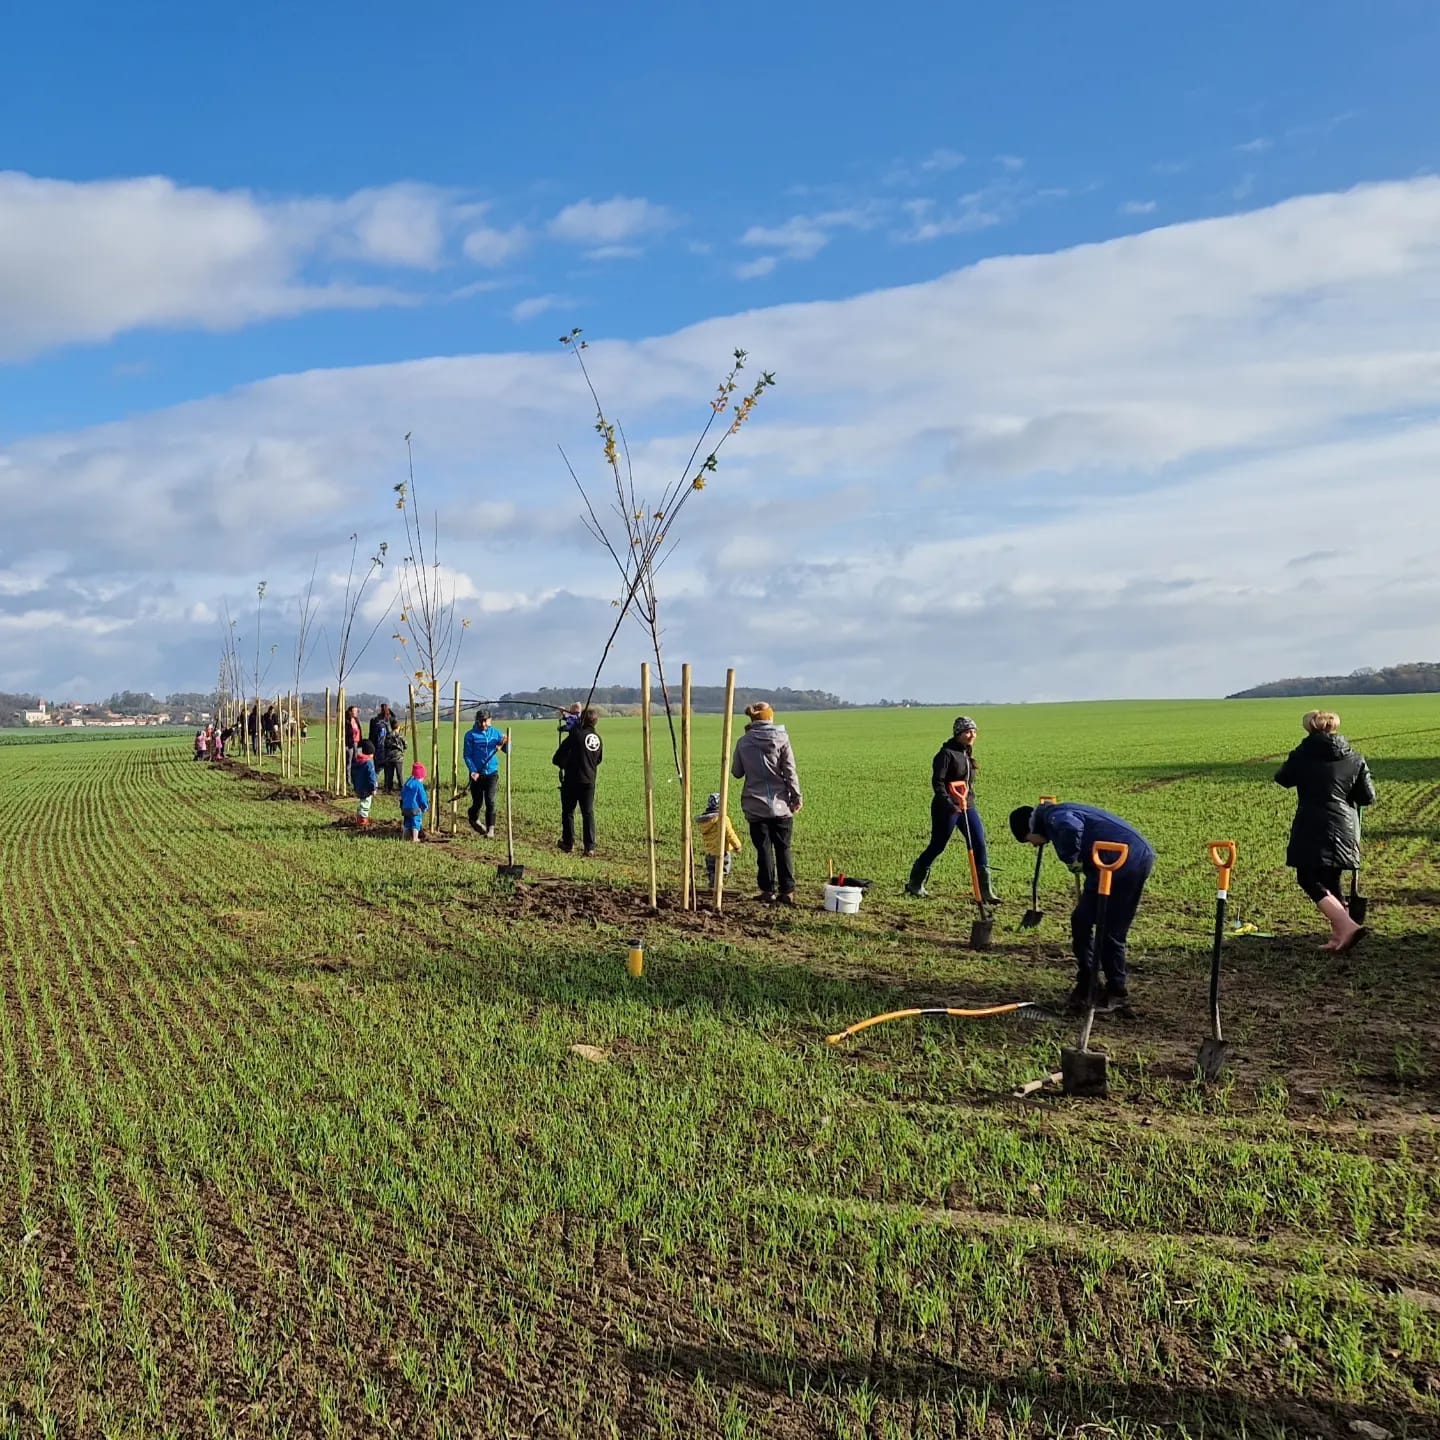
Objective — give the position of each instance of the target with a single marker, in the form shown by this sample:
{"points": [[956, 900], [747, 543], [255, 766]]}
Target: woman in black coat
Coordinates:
{"points": [[1330, 781]]}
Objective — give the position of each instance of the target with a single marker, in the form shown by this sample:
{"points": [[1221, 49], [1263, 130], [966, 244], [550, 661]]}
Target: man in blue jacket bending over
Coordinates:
{"points": [[484, 745], [1073, 831]]}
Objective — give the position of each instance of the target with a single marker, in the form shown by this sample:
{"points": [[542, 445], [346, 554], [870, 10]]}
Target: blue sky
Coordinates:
{"points": [[199, 202]]}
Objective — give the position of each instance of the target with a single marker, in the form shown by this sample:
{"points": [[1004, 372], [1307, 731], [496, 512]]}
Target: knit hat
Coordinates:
{"points": [[1020, 822], [760, 711], [962, 724], [713, 803], [418, 770]]}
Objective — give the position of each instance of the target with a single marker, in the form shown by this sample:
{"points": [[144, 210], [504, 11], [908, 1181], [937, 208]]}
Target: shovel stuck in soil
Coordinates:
{"points": [[1214, 1053], [1034, 915], [982, 928], [510, 870], [1085, 1072]]}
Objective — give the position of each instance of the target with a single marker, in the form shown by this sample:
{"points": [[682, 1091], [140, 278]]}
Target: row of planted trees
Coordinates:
{"points": [[638, 534]]}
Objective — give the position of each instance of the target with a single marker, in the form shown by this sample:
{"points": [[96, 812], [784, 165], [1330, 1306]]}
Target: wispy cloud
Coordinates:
{"points": [[938, 162], [535, 305], [493, 247], [1244, 187], [754, 269], [1170, 167], [1138, 207], [1010, 162], [616, 221], [1257, 146], [802, 237]]}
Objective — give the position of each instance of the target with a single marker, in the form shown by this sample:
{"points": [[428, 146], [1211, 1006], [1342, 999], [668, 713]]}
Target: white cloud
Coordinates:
{"points": [[1010, 162], [490, 246], [755, 269], [1138, 207], [802, 237], [1092, 469], [401, 224], [1256, 146], [534, 305], [610, 222], [188, 256]]}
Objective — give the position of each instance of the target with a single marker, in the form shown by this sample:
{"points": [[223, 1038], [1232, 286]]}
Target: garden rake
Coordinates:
{"points": [[1214, 1053], [1034, 915], [1085, 1071]]}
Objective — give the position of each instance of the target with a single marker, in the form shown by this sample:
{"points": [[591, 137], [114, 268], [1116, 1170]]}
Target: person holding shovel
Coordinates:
{"points": [[484, 745], [1073, 831], [954, 763], [1330, 781]]}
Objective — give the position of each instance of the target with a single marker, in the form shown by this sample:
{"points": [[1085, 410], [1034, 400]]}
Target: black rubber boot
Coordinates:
{"points": [[987, 894]]}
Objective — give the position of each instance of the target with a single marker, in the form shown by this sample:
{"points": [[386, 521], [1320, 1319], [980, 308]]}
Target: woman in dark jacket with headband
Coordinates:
{"points": [[954, 762], [1330, 781]]}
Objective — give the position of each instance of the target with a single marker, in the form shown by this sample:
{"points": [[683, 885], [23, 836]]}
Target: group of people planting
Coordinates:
{"points": [[1332, 784]]}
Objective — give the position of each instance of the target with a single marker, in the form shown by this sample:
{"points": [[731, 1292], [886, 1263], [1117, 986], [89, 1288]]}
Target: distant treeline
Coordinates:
{"points": [[13, 708], [622, 699], [1421, 677]]}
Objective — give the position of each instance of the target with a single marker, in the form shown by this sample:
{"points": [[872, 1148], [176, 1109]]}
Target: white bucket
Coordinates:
{"points": [[844, 899]]}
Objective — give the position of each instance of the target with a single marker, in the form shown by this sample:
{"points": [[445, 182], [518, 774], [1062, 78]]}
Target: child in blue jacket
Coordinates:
{"points": [[363, 782], [414, 802]]}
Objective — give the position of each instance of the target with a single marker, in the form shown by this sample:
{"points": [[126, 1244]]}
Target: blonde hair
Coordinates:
{"points": [[1321, 722]]}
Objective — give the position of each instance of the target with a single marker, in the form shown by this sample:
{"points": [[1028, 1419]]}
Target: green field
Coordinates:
{"points": [[293, 1140]]}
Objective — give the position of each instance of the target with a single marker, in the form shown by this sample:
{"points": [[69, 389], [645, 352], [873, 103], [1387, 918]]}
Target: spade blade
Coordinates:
{"points": [[1213, 1059]]}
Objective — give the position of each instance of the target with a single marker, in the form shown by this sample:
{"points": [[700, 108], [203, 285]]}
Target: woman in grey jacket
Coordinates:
{"points": [[770, 800]]}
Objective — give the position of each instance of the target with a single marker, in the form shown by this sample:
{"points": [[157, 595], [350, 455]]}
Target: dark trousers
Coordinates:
{"points": [[945, 821], [391, 770], [571, 796], [1119, 915], [482, 792], [1318, 881], [774, 869]]}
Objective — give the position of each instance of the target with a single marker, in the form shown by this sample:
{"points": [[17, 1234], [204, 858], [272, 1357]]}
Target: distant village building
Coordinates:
{"points": [[37, 717]]}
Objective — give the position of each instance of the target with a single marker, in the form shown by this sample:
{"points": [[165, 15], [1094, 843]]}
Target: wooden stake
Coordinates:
{"points": [[455, 765], [645, 738], [337, 780], [414, 729], [435, 742], [687, 824], [329, 722], [727, 728]]}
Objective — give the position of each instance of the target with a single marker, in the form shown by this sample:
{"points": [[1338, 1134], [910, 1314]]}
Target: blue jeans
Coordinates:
{"points": [[1128, 886], [945, 820]]}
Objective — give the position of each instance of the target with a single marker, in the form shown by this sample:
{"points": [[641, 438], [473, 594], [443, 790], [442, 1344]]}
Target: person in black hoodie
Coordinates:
{"points": [[1330, 781], [579, 757], [954, 761]]}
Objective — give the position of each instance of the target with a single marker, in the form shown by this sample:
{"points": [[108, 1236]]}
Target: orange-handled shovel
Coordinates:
{"points": [[1084, 1071], [1214, 1053], [982, 929]]}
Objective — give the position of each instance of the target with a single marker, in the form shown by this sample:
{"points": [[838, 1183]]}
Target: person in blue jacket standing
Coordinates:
{"points": [[1073, 831], [484, 745]]}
